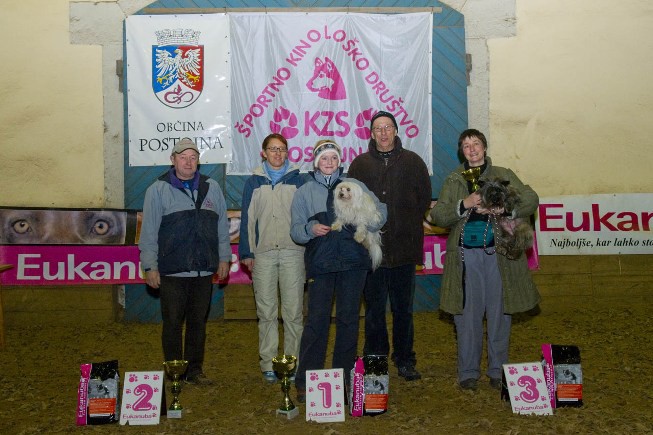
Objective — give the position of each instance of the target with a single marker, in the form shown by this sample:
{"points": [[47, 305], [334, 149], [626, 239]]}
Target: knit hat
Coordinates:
{"points": [[183, 145], [325, 147], [380, 114]]}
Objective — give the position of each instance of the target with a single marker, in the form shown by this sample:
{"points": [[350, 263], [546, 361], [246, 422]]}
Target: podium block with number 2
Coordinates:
{"points": [[141, 398]]}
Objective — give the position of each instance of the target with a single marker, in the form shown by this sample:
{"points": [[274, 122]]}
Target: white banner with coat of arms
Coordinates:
{"points": [[178, 86], [312, 76]]}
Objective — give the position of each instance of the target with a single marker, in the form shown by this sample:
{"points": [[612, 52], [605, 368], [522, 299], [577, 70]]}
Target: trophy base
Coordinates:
{"points": [[288, 414], [174, 413]]}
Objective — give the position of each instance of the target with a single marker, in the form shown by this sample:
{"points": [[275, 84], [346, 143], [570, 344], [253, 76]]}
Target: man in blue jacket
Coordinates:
{"points": [[185, 240]]}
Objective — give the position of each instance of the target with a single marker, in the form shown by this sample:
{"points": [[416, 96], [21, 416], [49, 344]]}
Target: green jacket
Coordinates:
{"points": [[519, 291]]}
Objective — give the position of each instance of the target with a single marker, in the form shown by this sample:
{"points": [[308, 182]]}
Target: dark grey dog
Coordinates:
{"points": [[512, 236]]}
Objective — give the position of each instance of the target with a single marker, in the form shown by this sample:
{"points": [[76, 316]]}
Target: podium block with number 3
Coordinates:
{"points": [[325, 395], [527, 389]]}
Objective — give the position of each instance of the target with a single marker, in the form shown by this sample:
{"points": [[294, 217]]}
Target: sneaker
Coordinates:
{"points": [[409, 373], [270, 377], [469, 384], [301, 396], [496, 383], [198, 379], [291, 378]]}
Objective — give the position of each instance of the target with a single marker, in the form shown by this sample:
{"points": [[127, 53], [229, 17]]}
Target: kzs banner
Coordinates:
{"points": [[178, 86], [311, 76], [228, 80]]}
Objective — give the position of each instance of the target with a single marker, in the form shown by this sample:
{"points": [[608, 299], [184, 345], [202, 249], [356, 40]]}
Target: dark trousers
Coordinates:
{"points": [[399, 284], [189, 300], [348, 289]]}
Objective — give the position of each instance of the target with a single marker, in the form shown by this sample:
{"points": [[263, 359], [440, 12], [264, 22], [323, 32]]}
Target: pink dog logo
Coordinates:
{"points": [[326, 81]]}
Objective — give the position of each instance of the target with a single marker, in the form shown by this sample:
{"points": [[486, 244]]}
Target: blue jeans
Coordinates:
{"points": [[398, 283], [189, 300], [348, 289]]}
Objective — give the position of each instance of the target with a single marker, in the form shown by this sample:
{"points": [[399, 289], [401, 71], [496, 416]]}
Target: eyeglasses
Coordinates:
{"points": [[381, 128], [277, 150]]}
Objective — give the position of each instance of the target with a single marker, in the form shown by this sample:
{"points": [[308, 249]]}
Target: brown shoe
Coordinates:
{"points": [[199, 379], [301, 396]]}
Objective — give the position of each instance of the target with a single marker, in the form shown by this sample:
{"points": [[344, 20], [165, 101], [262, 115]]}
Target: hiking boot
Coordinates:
{"points": [[469, 384], [270, 377], [409, 373], [198, 379]]}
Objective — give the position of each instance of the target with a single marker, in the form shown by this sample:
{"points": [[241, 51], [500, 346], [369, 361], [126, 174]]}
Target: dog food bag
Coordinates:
{"points": [[357, 393], [377, 382], [563, 375], [97, 395]]}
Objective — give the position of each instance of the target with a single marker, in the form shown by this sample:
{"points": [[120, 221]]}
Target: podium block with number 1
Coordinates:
{"points": [[325, 395]]}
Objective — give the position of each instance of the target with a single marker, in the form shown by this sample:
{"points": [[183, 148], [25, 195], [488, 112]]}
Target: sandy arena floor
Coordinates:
{"points": [[40, 375]]}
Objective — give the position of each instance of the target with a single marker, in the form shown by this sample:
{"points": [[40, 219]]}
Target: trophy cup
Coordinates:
{"points": [[284, 366], [472, 175], [175, 369]]}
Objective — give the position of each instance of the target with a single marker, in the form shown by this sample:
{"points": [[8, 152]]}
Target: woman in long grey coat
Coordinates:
{"points": [[477, 281]]}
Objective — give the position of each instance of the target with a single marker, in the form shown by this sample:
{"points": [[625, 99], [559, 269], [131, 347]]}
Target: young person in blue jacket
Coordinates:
{"points": [[336, 266]]}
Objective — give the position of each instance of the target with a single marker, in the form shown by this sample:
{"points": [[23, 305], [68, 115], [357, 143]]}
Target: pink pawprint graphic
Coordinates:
{"points": [[362, 130], [283, 116], [314, 376], [133, 378]]}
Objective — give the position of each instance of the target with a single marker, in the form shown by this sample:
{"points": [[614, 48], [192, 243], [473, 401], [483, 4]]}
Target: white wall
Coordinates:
{"points": [[50, 110], [561, 88], [571, 106]]}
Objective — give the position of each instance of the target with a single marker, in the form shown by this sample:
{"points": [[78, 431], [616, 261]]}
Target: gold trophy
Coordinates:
{"points": [[472, 175], [175, 369], [284, 366]]}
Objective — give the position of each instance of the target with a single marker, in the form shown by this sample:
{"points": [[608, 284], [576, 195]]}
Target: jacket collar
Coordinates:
{"points": [[171, 177], [371, 148], [321, 179]]}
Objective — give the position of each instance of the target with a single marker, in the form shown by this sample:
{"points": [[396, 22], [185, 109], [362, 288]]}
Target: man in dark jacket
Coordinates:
{"points": [[400, 179], [185, 240]]}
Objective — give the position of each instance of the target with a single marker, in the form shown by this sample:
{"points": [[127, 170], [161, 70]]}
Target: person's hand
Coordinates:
{"points": [[223, 269], [320, 230], [492, 210], [472, 201], [153, 278], [248, 263]]}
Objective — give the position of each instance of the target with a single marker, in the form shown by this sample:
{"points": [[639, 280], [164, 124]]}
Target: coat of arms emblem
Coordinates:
{"points": [[177, 67]]}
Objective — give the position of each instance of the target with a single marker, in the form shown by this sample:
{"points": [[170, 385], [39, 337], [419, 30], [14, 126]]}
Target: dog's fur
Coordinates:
{"points": [[514, 235], [355, 207]]}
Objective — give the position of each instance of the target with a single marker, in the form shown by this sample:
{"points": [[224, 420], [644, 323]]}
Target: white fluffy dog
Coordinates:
{"points": [[355, 207]]}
